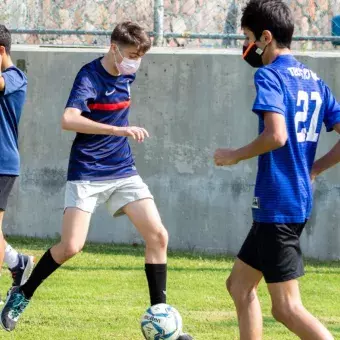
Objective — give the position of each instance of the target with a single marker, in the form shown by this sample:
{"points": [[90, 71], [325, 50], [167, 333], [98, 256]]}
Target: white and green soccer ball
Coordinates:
{"points": [[161, 322]]}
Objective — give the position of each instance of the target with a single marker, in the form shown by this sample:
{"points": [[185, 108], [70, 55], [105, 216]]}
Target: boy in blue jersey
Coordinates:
{"points": [[292, 103], [102, 168], [13, 85]]}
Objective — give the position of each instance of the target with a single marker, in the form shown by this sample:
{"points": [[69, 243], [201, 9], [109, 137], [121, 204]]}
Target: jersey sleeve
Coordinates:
{"points": [[332, 110], [269, 93], [14, 81], [82, 91]]}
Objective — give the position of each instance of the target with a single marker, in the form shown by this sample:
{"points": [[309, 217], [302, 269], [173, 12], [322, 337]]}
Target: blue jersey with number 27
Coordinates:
{"points": [[283, 192]]}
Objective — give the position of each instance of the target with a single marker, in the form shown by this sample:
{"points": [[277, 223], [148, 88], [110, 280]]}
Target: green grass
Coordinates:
{"points": [[102, 293]]}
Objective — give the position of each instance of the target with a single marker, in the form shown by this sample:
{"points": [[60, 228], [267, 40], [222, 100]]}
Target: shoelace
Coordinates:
{"points": [[18, 305]]}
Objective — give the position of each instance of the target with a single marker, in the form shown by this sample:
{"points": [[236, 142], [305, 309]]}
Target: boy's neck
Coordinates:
{"points": [[110, 65], [6, 63], [276, 53]]}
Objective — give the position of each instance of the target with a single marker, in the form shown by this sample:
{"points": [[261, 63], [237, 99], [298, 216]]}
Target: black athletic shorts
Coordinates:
{"points": [[6, 185], [274, 249]]}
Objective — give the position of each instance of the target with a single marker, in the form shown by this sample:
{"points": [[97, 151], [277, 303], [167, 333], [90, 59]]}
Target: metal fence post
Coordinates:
{"points": [[230, 26], [159, 22]]}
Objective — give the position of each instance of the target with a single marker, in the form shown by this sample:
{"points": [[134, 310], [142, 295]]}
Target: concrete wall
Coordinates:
{"points": [[191, 102]]}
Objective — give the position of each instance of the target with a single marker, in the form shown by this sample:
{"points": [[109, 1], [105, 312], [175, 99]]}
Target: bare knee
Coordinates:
{"points": [[285, 313], [65, 251], [158, 239], [229, 285], [240, 293]]}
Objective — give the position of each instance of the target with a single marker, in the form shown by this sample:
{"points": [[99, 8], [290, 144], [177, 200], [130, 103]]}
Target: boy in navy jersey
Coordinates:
{"points": [[292, 103], [102, 169]]}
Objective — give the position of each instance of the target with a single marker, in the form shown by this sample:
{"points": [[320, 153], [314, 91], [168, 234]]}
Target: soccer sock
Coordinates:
{"points": [[45, 267], [156, 275], [11, 257]]}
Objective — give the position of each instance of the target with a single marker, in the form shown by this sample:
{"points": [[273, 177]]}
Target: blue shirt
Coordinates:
{"points": [[283, 192], [105, 99], [12, 100]]}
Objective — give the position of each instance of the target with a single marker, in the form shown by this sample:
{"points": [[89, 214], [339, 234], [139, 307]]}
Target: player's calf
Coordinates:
{"points": [[297, 319], [287, 308]]}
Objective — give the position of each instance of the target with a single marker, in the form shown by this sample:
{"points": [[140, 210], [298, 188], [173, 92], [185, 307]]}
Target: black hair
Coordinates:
{"points": [[272, 15], [5, 39]]}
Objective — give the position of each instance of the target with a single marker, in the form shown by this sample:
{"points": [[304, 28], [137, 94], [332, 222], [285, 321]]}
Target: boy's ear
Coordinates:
{"points": [[267, 37], [2, 50]]}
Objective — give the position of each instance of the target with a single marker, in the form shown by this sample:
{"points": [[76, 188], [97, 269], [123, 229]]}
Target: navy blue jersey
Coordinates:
{"points": [[105, 99], [12, 100], [283, 192]]}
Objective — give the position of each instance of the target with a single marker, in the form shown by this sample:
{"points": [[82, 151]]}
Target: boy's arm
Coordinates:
{"points": [[72, 120], [329, 160], [273, 137]]}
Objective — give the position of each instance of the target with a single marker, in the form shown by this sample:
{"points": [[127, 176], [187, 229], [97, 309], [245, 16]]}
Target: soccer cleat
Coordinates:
{"points": [[23, 270], [14, 306], [185, 336]]}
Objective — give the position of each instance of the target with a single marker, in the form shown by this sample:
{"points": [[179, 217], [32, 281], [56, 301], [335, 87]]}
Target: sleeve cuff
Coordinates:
{"points": [[330, 126], [78, 105], [264, 108]]}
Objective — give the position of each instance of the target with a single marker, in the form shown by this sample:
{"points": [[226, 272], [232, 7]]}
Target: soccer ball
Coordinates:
{"points": [[161, 322]]}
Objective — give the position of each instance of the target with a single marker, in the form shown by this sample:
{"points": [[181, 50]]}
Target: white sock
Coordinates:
{"points": [[11, 257]]}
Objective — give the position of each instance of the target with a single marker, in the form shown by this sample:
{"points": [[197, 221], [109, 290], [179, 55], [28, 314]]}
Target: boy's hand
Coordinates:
{"points": [[135, 132], [313, 175], [225, 157]]}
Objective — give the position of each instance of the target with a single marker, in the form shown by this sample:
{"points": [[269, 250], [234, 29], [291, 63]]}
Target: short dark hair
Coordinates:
{"points": [[5, 39], [131, 34], [272, 15]]}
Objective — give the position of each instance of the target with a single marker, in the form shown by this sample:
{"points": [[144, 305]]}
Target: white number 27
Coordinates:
{"points": [[301, 116]]}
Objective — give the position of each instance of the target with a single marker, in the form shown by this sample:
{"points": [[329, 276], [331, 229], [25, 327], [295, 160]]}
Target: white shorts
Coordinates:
{"points": [[116, 193]]}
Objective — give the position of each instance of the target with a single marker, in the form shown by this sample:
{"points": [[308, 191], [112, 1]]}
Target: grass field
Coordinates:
{"points": [[102, 293]]}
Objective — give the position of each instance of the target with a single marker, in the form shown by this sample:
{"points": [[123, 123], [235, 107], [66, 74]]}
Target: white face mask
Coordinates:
{"points": [[128, 66]]}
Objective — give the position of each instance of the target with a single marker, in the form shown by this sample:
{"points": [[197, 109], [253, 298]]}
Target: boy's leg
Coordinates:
{"points": [[242, 286], [6, 185], [138, 204], [20, 265], [288, 309], [11, 256], [74, 232], [282, 265], [145, 217], [2, 241]]}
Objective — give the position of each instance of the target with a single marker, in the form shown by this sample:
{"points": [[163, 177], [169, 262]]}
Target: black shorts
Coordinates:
{"points": [[6, 185], [274, 249]]}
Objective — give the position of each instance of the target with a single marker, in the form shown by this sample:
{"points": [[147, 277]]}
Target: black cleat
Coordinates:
{"points": [[23, 270], [185, 336]]}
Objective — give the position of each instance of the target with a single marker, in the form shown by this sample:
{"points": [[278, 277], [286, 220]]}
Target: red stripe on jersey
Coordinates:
{"points": [[109, 107]]}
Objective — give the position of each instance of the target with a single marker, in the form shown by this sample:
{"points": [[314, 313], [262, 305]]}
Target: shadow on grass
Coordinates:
{"points": [[38, 244], [141, 268], [334, 329]]}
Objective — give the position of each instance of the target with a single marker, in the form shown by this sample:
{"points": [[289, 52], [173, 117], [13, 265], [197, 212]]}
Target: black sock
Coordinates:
{"points": [[45, 267], [156, 275]]}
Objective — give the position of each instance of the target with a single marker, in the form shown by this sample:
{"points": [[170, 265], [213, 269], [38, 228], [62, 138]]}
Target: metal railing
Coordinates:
{"points": [[187, 23]]}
